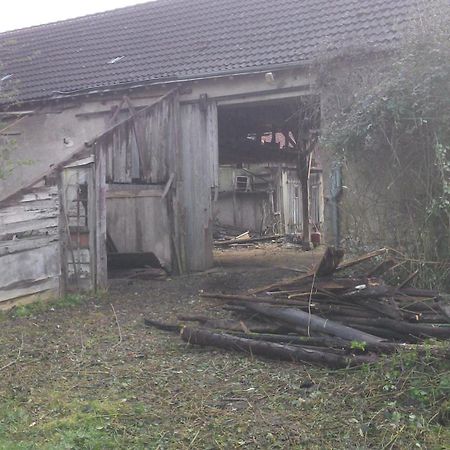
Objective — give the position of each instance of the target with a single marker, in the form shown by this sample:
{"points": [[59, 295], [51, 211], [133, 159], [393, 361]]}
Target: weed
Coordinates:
{"points": [[39, 307]]}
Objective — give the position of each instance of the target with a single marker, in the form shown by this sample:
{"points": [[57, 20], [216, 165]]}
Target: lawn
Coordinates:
{"points": [[85, 373]]}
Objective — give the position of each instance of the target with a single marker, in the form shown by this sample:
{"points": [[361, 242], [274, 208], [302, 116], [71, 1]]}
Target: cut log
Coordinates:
{"points": [[381, 332], [234, 325], [411, 329], [419, 292], [248, 298], [299, 318], [270, 350], [162, 325], [371, 291], [385, 307], [381, 347]]}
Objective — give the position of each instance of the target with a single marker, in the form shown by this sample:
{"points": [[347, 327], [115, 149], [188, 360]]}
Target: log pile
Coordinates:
{"points": [[326, 316]]}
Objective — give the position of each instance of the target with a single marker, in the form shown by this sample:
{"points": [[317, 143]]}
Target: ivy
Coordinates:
{"points": [[396, 127]]}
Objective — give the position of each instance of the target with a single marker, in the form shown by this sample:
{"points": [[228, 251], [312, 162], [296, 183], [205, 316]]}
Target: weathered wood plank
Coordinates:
{"points": [[40, 193], [29, 265], [135, 194], [23, 245], [28, 288], [101, 272], [15, 215], [197, 131], [29, 225]]}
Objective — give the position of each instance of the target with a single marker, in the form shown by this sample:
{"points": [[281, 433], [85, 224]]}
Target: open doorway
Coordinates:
{"points": [[266, 152]]}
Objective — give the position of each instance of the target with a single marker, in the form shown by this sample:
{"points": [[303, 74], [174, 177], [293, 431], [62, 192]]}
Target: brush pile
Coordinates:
{"points": [[323, 316]]}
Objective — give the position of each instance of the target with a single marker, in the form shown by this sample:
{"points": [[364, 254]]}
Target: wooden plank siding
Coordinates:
{"points": [[152, 176], [130, 211], [29, 246], [199, 146], [140, 156]]}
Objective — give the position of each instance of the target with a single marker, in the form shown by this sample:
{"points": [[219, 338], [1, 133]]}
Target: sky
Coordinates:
{"points": [[25, 13]]}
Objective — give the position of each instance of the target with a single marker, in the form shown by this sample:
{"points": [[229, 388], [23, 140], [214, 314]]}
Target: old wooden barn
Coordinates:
{"points": [[136, 130]]}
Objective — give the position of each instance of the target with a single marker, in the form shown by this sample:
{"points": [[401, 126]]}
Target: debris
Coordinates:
{"points": [[326, 318], [243, 236], [248, 240]]}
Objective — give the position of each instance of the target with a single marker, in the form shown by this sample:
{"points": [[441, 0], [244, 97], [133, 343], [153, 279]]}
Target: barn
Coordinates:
{"points": [[137, 130]]}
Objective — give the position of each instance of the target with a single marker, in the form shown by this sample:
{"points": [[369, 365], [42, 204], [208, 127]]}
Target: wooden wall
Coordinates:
{"points": [[199, 148], [54, 238], [291, 193], [29, 246], [137, 220], [142, 156], [142, 149], [78, 225], [176, 147]]}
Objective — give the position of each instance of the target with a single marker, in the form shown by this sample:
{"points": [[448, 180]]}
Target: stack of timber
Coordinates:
{"points": [[325, 317]]}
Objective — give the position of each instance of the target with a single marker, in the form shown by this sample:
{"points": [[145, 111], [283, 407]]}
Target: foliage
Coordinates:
{"points": [[396, 130], [6, 163], [8, 92]]}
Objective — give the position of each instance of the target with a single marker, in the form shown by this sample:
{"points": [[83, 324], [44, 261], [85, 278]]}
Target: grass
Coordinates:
{"points": [[77, 385], [39, 307], [189, 398]]}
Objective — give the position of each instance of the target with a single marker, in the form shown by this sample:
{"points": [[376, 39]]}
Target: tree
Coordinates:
{"points": [[7, 145]]}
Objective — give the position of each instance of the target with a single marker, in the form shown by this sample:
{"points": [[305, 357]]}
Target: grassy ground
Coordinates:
{"points": [[86, 374]]}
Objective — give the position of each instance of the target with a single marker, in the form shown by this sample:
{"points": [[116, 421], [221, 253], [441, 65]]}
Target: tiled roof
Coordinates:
{"points": [[182, 39]]}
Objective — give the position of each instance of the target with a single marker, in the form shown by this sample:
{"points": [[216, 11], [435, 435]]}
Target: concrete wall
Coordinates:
{"points": [[369, 205]]}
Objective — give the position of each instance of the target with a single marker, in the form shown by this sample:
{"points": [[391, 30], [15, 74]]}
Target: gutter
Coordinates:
{"points": [[61, 95]]}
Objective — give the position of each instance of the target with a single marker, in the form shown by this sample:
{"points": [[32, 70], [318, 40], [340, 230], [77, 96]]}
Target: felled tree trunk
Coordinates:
{"points": [[303, 319], [330, 342], [270, 350]]}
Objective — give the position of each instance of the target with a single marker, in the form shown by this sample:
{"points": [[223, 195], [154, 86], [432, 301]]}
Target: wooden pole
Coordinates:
{"points": [[303, 319], [305, 167]]}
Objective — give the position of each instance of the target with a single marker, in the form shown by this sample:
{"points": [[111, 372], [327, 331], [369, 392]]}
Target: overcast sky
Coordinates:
{"points": [[25, 13]]}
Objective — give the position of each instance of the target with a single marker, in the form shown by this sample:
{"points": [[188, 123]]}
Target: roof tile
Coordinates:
{"points": [[179, 39]]}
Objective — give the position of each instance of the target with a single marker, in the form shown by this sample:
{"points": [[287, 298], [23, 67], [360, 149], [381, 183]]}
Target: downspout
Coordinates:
{"points": [[336, 194]]}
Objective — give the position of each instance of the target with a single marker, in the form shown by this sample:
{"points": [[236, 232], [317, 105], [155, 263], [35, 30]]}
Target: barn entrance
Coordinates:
{"points": [[270, 176]]}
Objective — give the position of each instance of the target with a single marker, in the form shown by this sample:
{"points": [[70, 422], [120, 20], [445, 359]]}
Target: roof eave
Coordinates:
{"points": [[61, 95]]}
